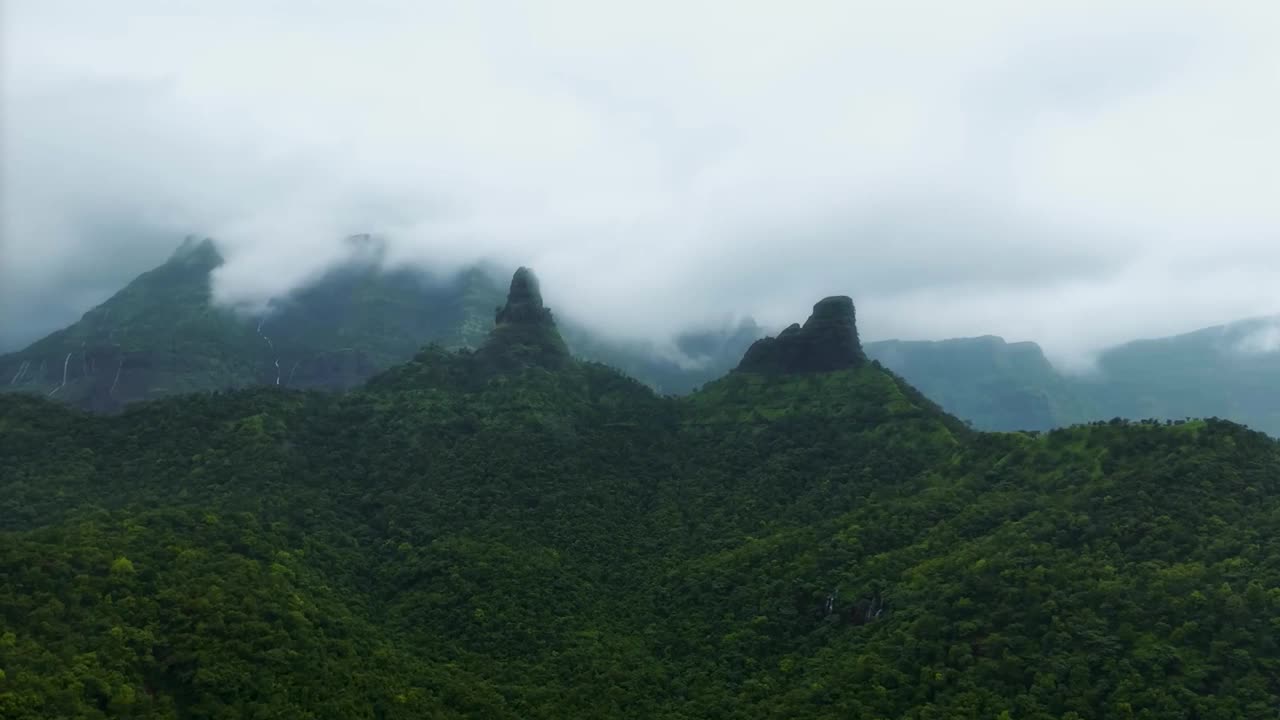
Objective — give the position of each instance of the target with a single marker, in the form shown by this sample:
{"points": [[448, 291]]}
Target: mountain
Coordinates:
{"points": [[828, 340], [158, 335], [506, 531], [994, 384], [163, 335], [1230, 371]]}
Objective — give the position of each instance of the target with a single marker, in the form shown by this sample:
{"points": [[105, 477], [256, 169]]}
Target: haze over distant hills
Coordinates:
{"points": [[1230, 371], [162, 335]]}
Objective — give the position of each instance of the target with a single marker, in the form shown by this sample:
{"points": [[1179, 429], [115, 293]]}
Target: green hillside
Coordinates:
{"points": [[508, 532], [162, 335], [1229, 370], [993, 384]]}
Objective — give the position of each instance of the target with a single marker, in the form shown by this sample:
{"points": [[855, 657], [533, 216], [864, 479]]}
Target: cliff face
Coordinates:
{"points": [[524, 332], [163, 334], [993, 384], [827, 341]]}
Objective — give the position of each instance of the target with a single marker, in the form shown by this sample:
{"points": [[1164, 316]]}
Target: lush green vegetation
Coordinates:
{"points": [[993, 384], [1230, 371], [162, 335], [508, 533]]}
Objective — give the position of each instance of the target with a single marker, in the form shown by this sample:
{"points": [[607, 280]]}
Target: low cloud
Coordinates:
{"points": [[1262, 341], [1071, 173]]}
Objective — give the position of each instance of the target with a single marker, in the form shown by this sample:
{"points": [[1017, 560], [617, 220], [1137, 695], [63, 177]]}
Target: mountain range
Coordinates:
{"points": [[507, 531], [163, 335]]}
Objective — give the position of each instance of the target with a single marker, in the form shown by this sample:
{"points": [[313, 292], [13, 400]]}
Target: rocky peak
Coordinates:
{"points": [[524, 302], [196, 251], [827, 341], [524, 329]]}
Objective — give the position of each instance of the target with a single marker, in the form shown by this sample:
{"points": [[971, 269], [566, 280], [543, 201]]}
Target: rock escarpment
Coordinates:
{"points": [[524, 332], [827, 341]]}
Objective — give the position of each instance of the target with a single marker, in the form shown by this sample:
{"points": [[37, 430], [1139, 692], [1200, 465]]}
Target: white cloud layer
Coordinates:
{"points": [[1076, 173], [1262, 341]]}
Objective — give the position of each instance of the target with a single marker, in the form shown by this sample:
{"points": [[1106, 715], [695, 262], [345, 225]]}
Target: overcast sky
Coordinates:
{"points": [[1075, 173]]}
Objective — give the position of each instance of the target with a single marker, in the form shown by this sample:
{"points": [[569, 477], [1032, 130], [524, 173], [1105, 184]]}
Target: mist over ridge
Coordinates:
{"points": [[1075, 174]]}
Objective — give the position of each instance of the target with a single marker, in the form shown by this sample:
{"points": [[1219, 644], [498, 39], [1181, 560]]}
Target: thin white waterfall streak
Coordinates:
{"points": [[65, 363], [22, 369], [111, 392], [272, 346]]}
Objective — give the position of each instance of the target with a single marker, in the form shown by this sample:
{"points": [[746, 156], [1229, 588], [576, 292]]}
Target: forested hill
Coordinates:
{"points": [[509, 532], [1231, 371], [162, 335]]}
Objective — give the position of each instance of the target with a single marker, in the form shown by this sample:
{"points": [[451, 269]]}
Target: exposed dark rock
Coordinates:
{"points": [[827, 341], [524, 330], [524, 302]]}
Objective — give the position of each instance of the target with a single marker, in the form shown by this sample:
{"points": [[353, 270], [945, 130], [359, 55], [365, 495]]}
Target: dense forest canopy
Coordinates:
{"points": [[509, 532]]}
